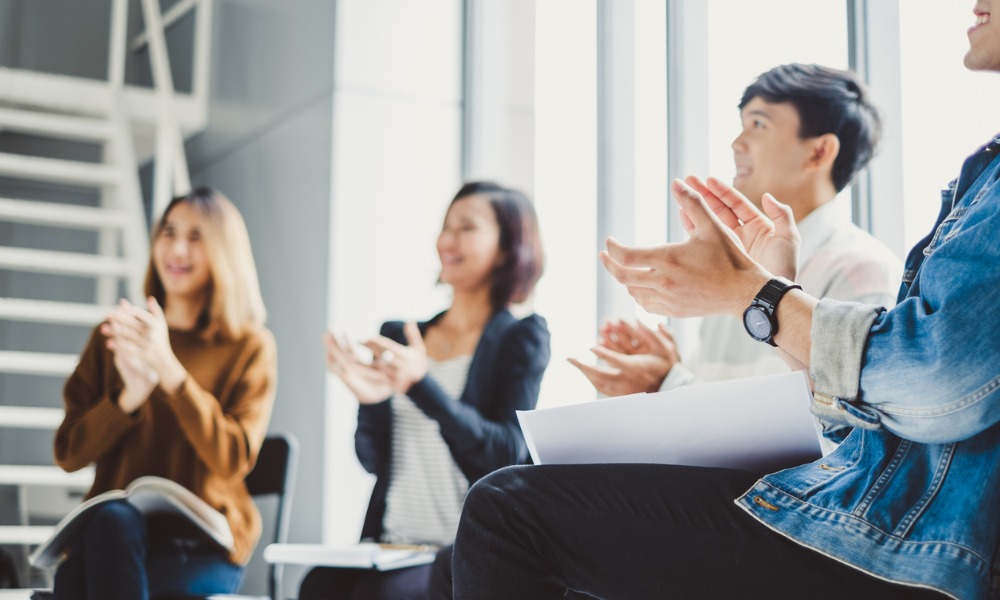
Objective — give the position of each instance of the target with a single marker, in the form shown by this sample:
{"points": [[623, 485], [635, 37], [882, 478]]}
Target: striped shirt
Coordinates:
{"points": [[426, 489]]}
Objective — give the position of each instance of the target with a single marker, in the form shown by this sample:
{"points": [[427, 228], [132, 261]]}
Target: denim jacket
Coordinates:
{"points": [[912, 494]]}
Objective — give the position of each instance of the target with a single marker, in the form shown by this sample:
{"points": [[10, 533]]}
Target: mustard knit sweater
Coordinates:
{"points": [[205, 437]]}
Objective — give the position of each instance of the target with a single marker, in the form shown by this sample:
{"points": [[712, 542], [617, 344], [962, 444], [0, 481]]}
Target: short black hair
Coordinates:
{"points": [[514, 279], [828, 101]]}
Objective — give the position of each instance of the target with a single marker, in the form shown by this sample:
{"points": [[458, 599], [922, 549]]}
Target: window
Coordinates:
{"points": [[947, 110]]}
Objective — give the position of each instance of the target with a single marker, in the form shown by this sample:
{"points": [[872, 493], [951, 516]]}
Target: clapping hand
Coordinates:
{"points": [[365, 380], [770, 237], [404, 365], [140, 342], [637, 357], [711, 272]]}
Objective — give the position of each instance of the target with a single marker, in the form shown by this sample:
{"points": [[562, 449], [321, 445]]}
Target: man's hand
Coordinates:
{"points": [[638, 359], [710, 273], [770, 237]]}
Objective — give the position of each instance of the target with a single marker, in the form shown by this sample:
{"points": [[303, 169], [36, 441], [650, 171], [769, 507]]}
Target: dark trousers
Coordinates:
{"points": [[115, 558], [332, 583], [634, 532]]}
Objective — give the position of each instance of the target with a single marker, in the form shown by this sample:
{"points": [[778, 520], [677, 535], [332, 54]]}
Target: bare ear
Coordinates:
{"points": [[825, 149]]}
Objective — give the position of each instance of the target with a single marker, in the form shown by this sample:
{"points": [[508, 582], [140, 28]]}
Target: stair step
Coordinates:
{"points": [[27, 535], [53, 125], [47, 311], [46, 476], [37, 363], [30, 417], [63, 263], [58, 170], [61, 215]]}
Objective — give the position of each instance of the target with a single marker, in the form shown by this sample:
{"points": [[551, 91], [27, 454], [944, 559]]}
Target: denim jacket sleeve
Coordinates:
{"points": [[839, 333], [927, 369]]}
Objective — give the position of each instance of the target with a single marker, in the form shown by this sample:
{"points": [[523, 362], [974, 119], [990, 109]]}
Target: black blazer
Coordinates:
{"points": [[481, 430]]}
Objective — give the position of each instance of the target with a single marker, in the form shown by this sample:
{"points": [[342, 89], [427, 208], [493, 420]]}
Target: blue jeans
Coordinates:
{"points": [[116, 558]]}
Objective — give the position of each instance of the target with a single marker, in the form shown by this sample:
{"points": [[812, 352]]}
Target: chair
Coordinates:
{"points": [[273, 475]]}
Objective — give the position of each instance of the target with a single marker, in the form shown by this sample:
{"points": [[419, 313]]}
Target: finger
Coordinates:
{"points": [[597, 375], [154, 308], [701, 216], [714, 203], [126, 349], [628, 330], [665, 332], [615, 359], [413, 337], [632, 256], [612, 338], [782, 217], [129, 332], [623, 274], [384, 350], [742, 207], [127, 316], [628, 338], [607, 329], [686, 222], [335, 356], [345, 343], [649, 337]]}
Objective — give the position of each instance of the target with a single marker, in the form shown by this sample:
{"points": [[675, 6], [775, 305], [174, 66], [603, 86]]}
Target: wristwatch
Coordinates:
{"points": [[759, 318]]}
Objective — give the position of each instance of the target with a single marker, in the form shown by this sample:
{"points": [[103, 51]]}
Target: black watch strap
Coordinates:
{"points": [[767, 300]]}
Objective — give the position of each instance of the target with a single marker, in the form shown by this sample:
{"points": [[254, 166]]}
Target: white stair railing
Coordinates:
{"points": [[171, 173], [95, 112]]}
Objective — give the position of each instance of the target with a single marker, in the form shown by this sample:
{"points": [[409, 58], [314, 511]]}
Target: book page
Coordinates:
{"points": [[363, 555], [51, 552], [759, 424], [152, 495]]}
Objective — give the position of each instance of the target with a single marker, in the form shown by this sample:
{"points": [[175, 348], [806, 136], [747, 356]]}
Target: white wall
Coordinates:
{"points": [[397, 114]]}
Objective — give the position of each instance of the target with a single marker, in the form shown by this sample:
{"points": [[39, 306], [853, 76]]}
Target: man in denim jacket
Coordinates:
{"points": [[906, 507]]}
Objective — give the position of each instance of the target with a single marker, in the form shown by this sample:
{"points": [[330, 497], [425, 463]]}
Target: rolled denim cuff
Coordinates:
{"points": [[839, 334]]}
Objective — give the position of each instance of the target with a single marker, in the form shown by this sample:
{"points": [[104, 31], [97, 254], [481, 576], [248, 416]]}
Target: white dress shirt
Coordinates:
{"points": [[836, 260]]}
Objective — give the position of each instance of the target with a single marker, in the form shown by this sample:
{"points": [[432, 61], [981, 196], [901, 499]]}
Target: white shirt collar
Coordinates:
{"points": [[817, 227]]}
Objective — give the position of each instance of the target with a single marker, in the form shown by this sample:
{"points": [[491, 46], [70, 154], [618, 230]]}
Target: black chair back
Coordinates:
{"points": [[274, 474]]}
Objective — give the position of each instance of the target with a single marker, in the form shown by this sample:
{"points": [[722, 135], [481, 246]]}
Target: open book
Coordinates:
{"points": [[151, 495], [363, 555], [759, 424]]}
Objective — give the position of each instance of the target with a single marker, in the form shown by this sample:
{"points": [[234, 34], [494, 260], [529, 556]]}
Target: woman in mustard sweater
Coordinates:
{"points": [[181, 389]]}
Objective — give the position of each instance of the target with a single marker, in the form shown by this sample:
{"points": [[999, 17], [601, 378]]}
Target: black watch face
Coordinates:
{"points": [[757, 323]]}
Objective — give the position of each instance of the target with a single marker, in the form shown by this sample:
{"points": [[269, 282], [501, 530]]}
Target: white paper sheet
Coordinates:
{"points": [[759, 424]]}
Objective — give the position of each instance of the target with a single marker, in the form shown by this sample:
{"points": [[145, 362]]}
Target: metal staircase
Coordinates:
{"points": [[82, 228], [118, 223]]}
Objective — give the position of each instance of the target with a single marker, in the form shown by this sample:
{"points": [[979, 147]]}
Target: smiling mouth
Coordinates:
{"points": [[982, 18], [175, 270]]}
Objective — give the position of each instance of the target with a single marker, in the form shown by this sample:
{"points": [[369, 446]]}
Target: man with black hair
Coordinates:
{"points": [[807, 131], [903, 508]]}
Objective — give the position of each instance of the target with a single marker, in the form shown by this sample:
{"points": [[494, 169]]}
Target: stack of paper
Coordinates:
{"points": [[759, 424]]}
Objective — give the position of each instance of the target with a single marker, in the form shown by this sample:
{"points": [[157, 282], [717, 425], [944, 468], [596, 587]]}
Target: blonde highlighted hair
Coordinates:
{"points": [[234, 302]]}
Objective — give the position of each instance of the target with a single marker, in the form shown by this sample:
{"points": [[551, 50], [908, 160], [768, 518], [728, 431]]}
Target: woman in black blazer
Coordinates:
{"points": [[438, 400]]}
